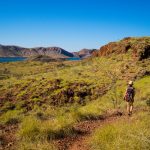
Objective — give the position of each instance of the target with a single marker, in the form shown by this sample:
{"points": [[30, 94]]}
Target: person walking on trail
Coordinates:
{"points": [[129, 97]]}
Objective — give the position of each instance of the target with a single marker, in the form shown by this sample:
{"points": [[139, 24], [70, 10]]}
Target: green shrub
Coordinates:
{"points": [[21, 104], [148, 102], [11, 117], [8, 106]]}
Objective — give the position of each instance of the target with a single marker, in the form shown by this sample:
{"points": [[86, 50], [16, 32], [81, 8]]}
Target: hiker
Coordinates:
{"points": [[129, 97]]}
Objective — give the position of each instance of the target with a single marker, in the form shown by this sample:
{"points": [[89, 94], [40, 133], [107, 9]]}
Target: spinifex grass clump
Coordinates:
{"points": [[94, 110], [33, 129], [11, 117]]}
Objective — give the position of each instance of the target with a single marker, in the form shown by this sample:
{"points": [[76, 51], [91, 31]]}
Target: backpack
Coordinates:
{"points": [[129, 94]]}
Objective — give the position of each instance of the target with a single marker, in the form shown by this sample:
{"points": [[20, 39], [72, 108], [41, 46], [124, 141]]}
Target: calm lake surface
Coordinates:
{"points": [[73, 58], [13, 59]]}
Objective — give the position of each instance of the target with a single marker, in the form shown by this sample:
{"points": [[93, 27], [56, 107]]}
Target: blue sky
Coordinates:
{"points": [[72, 24]]}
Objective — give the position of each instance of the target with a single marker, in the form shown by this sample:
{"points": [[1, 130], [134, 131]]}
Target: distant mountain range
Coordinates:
{"points": [[16, 51], [53, 52]]}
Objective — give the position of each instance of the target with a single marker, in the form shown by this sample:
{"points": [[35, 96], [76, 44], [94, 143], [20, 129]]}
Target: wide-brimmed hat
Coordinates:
{"points": [[130, 82]]}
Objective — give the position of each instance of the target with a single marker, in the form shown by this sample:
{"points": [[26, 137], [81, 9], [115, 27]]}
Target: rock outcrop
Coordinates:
{"points": [[138, 48]]}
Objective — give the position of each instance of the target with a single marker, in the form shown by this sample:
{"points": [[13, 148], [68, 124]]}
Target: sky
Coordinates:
{"points": [[72, 24]]}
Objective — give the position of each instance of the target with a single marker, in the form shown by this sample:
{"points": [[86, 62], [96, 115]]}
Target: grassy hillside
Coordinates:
{"points": [[41, 102]]}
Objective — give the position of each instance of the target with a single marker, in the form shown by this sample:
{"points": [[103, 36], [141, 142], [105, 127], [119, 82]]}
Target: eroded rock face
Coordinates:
{"points": [[138, 48]]}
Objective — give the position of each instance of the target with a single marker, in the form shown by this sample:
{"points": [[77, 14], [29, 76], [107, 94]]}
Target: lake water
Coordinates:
{"points": [[73, 58], [13, 59]]}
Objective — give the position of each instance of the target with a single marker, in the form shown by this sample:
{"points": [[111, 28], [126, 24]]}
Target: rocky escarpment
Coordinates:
{"points": [[138, 48], [16, 51]]}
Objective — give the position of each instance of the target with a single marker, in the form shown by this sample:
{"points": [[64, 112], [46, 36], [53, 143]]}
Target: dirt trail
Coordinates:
{"points": [[84, 130]]}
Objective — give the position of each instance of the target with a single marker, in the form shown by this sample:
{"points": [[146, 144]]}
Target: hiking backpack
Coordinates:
{"points": [[129, 94]]}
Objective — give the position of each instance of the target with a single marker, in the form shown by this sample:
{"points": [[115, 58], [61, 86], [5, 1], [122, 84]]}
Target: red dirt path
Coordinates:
{"points": [[84, 130]]}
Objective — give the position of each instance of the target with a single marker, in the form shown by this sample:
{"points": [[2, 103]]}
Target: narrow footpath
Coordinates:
{"points": [[85, 129]]}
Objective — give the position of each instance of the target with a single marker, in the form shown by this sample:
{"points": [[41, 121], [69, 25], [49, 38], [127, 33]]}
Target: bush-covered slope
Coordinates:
{"points": [[61, 83]]}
